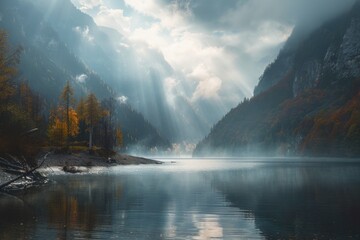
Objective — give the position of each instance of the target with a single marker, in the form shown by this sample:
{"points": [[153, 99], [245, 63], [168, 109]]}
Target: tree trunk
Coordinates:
{"points": [[67, 122], [90, 137]]}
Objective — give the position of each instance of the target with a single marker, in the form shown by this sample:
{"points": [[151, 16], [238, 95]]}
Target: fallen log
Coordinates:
{"points": [[5, 164]]}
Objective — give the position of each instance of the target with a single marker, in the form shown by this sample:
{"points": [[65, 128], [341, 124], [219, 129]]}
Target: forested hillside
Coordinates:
{"points": [[47, 61]]}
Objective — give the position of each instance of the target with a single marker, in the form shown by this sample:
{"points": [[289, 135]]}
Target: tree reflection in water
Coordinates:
{"points": [[310, 201], [231, 200]]}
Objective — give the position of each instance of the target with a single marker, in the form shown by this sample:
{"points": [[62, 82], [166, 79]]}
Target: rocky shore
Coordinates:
{"points": [[82, 162], [83, 159]]}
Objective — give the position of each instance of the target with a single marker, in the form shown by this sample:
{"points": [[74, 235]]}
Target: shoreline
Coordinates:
{"points": [[82, 162], [84, 159]]}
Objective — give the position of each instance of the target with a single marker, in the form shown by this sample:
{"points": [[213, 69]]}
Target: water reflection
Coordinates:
{"points": [[213, 200], [208, 227], [306, 201], [17, 219]]}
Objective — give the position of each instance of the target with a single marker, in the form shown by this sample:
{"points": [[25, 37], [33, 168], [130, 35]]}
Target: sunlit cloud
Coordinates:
{"points": [[207, 53], [208, 84], [149, 8], [84, 32], [187, 47], [81, 78], [86, 5], [122, 99], [113, 18]]}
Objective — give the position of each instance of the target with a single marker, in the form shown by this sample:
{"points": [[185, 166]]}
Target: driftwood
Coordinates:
{"points": [[23, 171], [11, 167]]}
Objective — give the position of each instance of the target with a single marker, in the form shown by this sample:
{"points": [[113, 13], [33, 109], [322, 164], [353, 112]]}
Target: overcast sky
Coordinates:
{"points": [[219, 46]]}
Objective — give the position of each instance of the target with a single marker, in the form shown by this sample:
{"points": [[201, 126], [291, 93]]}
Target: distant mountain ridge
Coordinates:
{"points": [[306, 103], [49, 60]]}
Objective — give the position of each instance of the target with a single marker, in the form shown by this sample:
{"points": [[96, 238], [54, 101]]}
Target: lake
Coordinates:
{"points": [[193, 199]]}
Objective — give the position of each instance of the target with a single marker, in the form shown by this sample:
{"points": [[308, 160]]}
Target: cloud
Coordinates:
{"points": [[207, 88], [113, 18], [84, 32], [122, 99], [149, 8], [177, 30], [172, 14], [215, 50], [247, 14], [87, 5], [81, 78]]}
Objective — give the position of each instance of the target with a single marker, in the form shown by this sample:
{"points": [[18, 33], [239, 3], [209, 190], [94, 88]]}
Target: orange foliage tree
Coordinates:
{"points": [[63, 125], [66, 101], [92, 115]]}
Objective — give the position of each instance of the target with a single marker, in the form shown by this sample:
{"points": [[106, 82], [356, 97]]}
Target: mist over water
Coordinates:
{"points": [[193, 199]]}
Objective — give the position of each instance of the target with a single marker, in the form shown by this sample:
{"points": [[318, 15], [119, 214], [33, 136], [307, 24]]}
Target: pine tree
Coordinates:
{"points": [[59, 132], [93, 114], [119, 137], [111, 132], [67, 100], [8, 62], [80, 109]]}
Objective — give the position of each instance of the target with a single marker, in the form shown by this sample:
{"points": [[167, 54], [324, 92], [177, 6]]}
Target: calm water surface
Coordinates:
{"points": [[193, 199]]}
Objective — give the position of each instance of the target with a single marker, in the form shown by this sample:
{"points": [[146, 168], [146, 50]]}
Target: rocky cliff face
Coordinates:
{"points": [[329, 55], [307, 100], [348, 56]]}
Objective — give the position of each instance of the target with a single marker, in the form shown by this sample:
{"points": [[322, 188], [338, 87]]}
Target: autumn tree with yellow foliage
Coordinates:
{"points": [[66, 101], [59, 132], [64, 121], [22, 113], [20, 109], [92, 115]]}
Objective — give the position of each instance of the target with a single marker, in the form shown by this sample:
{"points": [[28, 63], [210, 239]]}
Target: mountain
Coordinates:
{"points": [[306, 103], [134, 71], [50, 58]]}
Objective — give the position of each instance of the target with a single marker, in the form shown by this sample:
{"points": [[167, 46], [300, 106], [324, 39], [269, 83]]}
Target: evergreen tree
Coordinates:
{"points": [[8, 62], [16, 117], [93, 114], [67, 100], [80, 109], [111, 135]]}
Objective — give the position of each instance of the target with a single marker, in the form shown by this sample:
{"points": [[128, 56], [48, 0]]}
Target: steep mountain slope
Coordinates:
{"points": [[47, 62], [137, 72], [306, 103]]}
